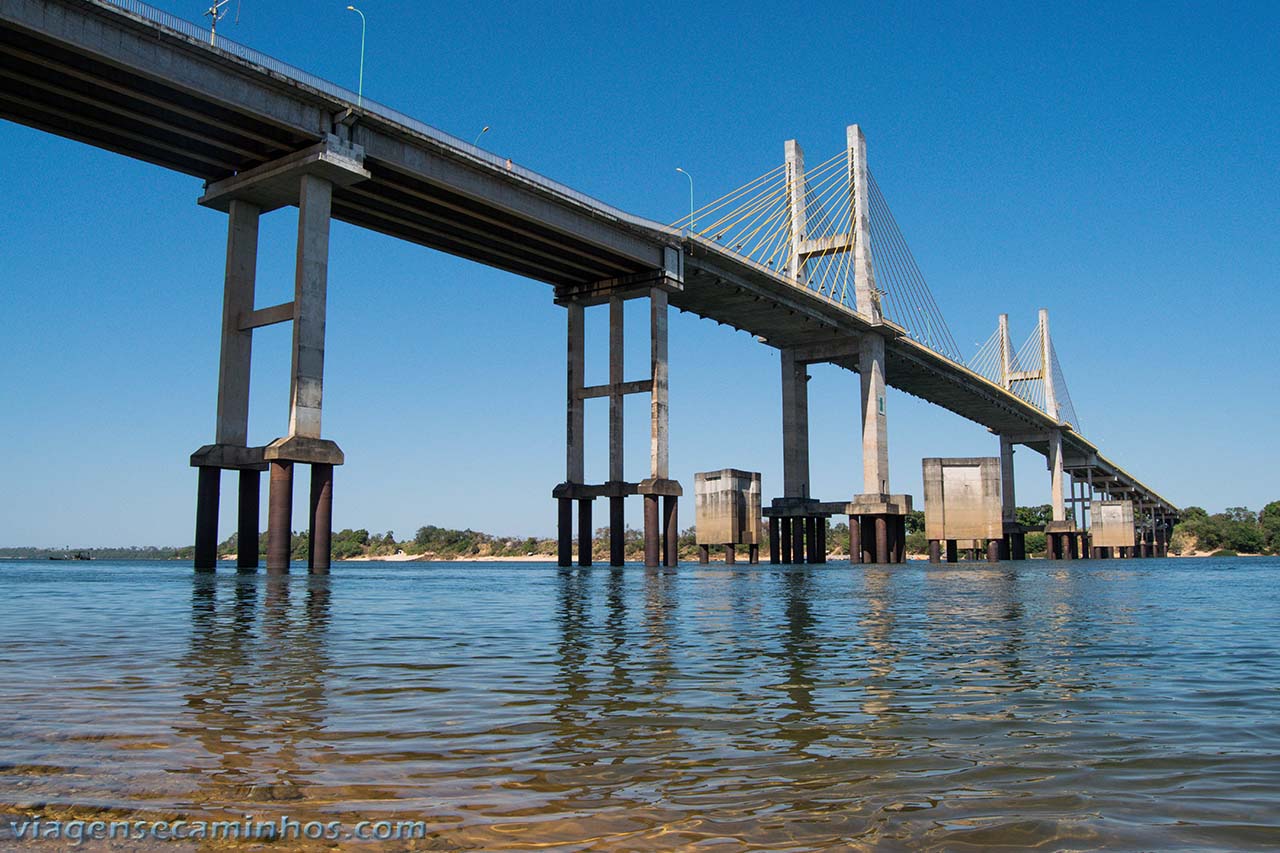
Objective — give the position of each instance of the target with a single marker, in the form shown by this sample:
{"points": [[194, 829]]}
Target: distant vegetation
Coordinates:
{"points": [[1237, 530]]}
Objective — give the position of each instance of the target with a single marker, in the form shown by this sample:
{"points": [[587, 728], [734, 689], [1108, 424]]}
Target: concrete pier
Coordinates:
{"points": [[585, 534], [659, 492], [279, 516], [321, 526], [617, 532], [963, 500], [727, 508], [305, 179], [207, 518], [250, 495], [564, 543], [670, 531], [1113, 526]]}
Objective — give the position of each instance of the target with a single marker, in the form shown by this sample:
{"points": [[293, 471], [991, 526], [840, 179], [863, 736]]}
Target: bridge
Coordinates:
{"points": [[810, 262]]}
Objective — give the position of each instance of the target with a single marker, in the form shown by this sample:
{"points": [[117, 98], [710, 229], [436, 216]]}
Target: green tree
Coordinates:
{"points": [[1269, 521], [916, 543], [299, 544], [1036, 543], [1035, 516], [1241, 514]]}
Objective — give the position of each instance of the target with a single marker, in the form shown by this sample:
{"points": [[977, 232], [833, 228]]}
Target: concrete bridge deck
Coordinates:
{"points": [[122, 77]]}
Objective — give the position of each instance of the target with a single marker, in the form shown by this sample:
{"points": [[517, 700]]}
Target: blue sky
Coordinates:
{"points": [[1116, 166]]}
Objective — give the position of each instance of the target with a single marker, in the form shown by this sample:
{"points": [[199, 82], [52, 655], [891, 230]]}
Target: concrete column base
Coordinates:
{"points": [[617, 532], [730, 555], [585, 533], [207, 499], [652, 532], [564, 532], [935, 551], [247, 539], [319, 550], [670, 531], [280, 516], [753, 554], [704, 554]]}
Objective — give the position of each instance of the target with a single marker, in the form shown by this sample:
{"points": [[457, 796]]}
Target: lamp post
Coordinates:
{"points": [[690, 177], [483, 131], [360, 93]]}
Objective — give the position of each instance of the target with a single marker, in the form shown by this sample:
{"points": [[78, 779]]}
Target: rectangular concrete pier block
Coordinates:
{"points": [[962, 499], [727, 507], [1112, 523]]}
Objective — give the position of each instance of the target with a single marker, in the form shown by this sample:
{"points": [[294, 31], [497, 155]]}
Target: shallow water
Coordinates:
{"points": [[1071, 705]]}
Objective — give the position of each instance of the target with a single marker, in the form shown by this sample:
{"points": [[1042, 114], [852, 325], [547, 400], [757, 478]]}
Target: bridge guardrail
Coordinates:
{"points": [[203, 36]]}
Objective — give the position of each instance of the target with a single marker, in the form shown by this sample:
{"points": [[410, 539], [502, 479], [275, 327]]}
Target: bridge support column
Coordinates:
{"points": [[617, 532], [993, 550], [564, 533], [875, 430], [797, 539], [247, 534], [206, 557], [670, 532], [652, 545], [280, 516], [855, 539], [320, 534], [305, 179], [1055, 476], [935, 551], [882, 539], [704, 554], [584, 532], [232, 421], [661, 532], [753, 554], [1018, 546], [953, 551], [822, 539], [775, 540], [730, 555]]}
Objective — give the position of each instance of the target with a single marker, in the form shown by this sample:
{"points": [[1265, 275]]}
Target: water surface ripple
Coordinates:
{"points": [[1126, 705]]}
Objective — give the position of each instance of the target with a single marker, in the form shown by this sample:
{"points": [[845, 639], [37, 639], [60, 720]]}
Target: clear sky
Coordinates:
{"points": [[1116, 166]]}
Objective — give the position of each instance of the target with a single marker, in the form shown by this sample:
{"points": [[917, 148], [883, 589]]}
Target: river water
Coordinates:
{"points": [[1066, 705]]}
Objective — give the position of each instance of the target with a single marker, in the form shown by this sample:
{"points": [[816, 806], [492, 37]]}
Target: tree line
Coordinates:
{"points": [[1235, 530]]}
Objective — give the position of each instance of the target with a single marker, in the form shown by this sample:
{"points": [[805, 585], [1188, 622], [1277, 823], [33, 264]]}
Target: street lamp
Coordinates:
{"points": [[690, 177], [476, 141], [360, 93]]}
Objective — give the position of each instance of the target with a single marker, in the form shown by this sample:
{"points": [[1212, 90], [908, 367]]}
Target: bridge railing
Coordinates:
{"points": [[204, 37]]}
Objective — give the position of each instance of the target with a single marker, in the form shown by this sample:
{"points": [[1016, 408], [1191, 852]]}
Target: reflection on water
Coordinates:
{"points": [[743, 707]]}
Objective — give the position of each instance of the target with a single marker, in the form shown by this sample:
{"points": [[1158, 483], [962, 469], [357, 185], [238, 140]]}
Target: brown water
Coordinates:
{"points": [[1126, 705]]}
